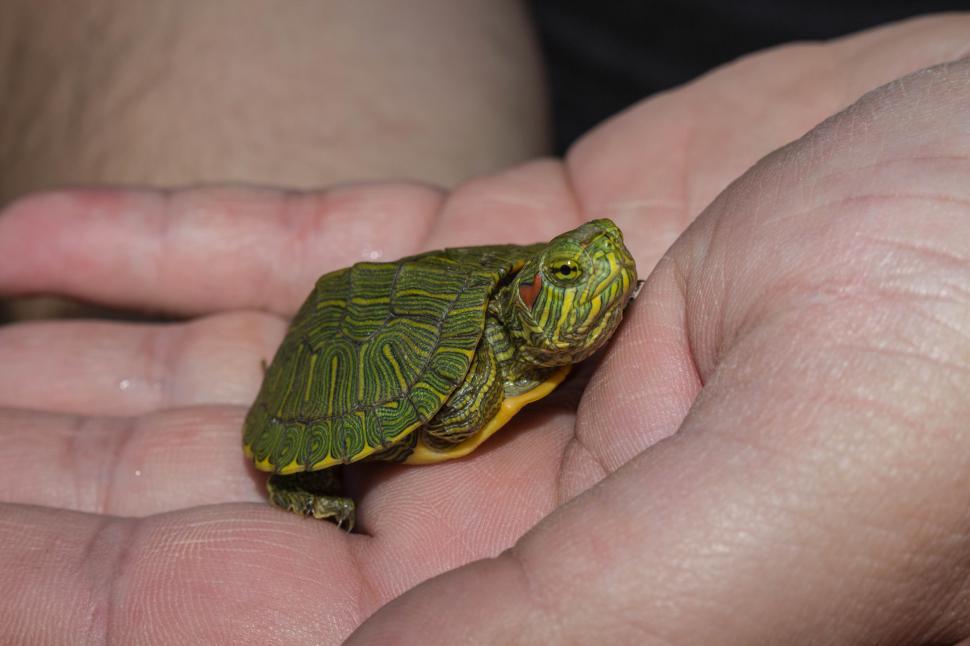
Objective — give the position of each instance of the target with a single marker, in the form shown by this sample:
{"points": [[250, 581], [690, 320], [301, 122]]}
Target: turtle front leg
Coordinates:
{"points": [[470, 407], [480, 406], [313, 493]]}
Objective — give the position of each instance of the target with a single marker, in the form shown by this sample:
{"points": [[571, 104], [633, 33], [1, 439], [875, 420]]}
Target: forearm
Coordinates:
{"points": [[297, 94]]}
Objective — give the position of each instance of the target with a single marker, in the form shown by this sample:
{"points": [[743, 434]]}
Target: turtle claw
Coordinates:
{"points": [[295, 494], [336, 510]]}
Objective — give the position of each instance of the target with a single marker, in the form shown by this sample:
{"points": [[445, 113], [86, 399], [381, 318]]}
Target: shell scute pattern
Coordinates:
{"points": [[373, 353], [316, 443]]}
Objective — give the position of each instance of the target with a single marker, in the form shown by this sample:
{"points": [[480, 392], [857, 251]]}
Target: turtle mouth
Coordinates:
{"points": [[590, 337]]}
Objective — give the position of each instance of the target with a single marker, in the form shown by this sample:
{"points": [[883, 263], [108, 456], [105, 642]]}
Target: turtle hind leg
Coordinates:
{"points": [[313, 493]]}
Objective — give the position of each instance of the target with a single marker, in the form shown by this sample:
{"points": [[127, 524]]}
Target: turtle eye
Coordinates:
{"points": [[565, 270]]}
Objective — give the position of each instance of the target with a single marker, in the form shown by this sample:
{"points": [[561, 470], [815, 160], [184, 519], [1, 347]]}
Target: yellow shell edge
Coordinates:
{"points": [[424, 454], [295, 467]]}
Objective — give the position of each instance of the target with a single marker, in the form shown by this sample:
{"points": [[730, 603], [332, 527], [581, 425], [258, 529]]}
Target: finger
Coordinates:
{"points": [[98, 368], [423, 521], [203, 250], [126, 466], [480, 503], [529, 203], [654, 167], [642, 389], [214, 575]]}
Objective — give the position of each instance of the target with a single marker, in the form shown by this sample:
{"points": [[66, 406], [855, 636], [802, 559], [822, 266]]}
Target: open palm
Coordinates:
{"points": [[131, 515]]}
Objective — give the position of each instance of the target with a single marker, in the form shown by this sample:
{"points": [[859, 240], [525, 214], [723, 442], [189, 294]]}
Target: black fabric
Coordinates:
{"points": [[603, 56]]}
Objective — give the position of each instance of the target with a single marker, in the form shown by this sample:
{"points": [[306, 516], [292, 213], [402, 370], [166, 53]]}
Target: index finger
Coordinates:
{"points": [[203, 250]]}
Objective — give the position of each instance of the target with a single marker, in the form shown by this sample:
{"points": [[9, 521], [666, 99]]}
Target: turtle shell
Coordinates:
{"points": [[372, 355]]}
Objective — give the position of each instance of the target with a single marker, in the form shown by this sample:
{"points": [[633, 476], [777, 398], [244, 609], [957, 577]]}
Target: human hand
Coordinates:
{"points": [[139, 424]]}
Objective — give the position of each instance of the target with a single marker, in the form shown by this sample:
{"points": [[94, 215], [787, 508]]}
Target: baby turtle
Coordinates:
{"points": [[422, 359]]}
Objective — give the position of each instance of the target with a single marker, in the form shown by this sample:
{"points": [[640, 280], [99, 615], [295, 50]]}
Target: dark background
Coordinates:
{"points": [[603, 56]]}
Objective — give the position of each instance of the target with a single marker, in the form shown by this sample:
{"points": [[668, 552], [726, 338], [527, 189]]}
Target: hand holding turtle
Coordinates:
{"points": [[421, 360], [805, 349], [801, 373]]}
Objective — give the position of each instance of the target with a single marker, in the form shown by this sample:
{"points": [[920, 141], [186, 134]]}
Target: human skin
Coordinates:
{"points": [[774, 449], [288, 93]]}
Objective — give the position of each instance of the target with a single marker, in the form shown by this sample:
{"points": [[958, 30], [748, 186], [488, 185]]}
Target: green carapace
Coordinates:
{"points": [[422, 359]]}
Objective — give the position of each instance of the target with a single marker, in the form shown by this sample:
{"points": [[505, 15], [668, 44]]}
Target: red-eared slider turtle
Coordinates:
{"points": [[422, 359]]}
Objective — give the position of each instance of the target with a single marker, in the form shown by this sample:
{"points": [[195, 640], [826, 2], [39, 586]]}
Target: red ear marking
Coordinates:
{"points": [[528, 292]]}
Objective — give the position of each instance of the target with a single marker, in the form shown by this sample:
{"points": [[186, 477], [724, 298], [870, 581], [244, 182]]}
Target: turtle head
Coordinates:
{"points": [[567, 301]]}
